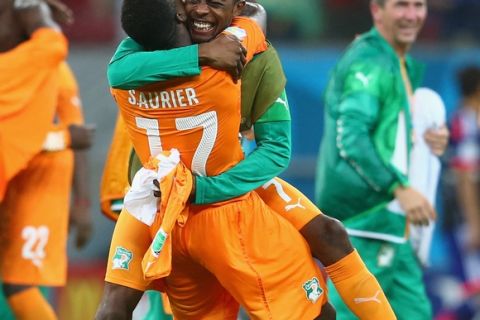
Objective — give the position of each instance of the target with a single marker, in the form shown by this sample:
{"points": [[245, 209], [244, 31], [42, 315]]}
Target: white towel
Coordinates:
{"points": [[425, 167], [139, 200]]}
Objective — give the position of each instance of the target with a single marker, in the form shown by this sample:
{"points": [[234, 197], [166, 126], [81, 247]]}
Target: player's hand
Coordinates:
{"points": [[157, 193], [437, 139], [61, 12], [81, 136], [33, 15], [156, 189], [418, 209], [225, 52], [81, 221]]}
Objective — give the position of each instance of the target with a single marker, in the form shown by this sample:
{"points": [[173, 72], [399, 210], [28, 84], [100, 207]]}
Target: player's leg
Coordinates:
{"points": [[36, 203], [329, 242], [326, 236], [124, 282], [193, 292], [28, 303], [258, 257], [380, 257]]}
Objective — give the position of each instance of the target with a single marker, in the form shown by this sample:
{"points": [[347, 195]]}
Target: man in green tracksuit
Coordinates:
{"points": [[365, 150]]}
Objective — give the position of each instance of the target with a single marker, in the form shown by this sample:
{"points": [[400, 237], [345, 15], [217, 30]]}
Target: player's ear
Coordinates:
{"points": [[239, 5], [180, 17]]}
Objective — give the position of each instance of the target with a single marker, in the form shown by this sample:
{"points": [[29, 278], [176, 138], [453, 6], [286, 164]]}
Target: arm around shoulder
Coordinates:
{"points": [[132, 67]]}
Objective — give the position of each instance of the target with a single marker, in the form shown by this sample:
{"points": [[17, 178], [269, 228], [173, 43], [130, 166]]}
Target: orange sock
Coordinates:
{"points": [[359, 289], [30, 304]]}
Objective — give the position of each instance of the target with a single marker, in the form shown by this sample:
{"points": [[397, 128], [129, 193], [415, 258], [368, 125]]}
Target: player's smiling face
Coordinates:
{"points": [[207, 18], [400, 21]]}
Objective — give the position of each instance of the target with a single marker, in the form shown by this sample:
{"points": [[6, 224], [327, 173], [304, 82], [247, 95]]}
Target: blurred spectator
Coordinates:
{"points": [[459, 291], [455, 20], [346, 18], [94, 20], [343, 19], [300, 19], [465, 160]]}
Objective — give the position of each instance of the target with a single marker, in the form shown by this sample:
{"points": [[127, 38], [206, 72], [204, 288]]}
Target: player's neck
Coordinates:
{"points": [[401, 49], [11, 34], [183, 36]]}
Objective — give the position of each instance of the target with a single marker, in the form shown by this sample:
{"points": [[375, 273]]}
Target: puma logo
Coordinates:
{"points": [[373, 298], [284, 102], [149, 264], [364, 79], [296, 205]]}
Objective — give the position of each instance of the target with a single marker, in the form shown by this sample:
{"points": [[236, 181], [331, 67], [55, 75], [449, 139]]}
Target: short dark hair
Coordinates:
{"points": [[151, 23], [469, 80]]}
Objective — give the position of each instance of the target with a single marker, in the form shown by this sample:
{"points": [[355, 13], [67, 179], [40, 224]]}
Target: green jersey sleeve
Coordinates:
{"points": [[132, 67], [269, 159]]}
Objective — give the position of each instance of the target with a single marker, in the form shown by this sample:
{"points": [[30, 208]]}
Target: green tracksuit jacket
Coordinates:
{"points": [[367, 139]]}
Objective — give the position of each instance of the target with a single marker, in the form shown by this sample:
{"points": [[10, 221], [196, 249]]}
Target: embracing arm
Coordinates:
{"points": [[132, 67], [270, 158]]}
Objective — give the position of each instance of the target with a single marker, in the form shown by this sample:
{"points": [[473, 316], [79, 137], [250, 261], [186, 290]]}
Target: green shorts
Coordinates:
{"points": [[399, 273]]}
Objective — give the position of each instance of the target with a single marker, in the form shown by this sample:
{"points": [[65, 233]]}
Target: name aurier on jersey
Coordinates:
{"points": [[185, 97]]}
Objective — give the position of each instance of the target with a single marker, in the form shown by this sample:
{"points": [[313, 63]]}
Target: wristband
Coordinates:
{"points": [[56, 141]]}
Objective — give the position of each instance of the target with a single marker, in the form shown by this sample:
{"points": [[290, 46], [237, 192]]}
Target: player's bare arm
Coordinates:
{"points": [[80, 213], [225, 52], [81, 136]]}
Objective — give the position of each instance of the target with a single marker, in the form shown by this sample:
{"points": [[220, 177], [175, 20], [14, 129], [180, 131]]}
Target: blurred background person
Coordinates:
{"points": [[465, 161], [461, 205], [366, 149], [35, 207]]}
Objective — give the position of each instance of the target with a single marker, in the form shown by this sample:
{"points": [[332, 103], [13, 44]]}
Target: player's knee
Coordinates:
{"points": [[325, 231], [333, 231], [327, 238]]}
